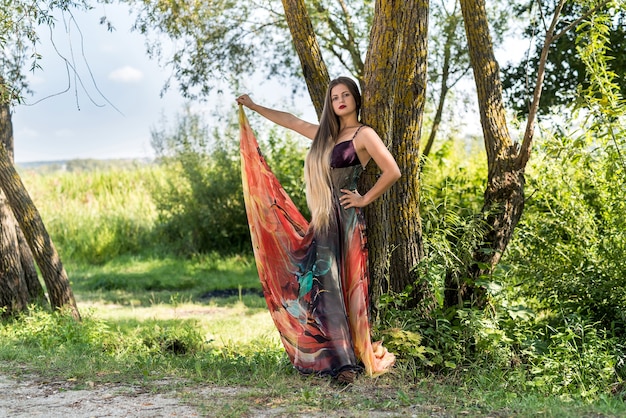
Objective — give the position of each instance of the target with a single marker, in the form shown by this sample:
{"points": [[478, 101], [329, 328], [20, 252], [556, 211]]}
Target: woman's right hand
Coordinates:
{"points": [[245, 100]]}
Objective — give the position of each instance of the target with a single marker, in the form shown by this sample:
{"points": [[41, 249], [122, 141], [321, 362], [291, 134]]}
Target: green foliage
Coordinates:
{"points": [[448, 339], [600, 37], [45, 331], [566, 356], [200, 202], [548, 355], [453, 179], [570, 246], [597, 43], [555, 313], [285, 155], [190, 203]]}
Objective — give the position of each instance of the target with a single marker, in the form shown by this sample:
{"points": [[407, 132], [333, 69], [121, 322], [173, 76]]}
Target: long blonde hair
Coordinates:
{"points": [[319, 189]]}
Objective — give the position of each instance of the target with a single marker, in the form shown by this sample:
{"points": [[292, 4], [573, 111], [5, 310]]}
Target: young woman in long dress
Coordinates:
{"points": [[314, 275]]}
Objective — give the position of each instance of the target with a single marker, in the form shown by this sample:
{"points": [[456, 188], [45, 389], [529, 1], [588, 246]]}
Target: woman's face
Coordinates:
{"points": [[342, 100]]}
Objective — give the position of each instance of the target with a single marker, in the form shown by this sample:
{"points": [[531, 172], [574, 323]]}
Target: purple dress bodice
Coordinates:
{"points": [[344, 155]]}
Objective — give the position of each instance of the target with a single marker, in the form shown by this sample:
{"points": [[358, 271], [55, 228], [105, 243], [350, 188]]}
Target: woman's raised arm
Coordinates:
{"points": [[281, 118]]}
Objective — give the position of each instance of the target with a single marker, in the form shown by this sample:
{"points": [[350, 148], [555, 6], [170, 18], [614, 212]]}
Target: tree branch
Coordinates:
{"points": [[580, 19], [524, 153], [313, 67]]}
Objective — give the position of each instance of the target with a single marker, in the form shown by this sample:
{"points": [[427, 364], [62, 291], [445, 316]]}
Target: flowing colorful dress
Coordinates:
{"points": [[315, 283]]}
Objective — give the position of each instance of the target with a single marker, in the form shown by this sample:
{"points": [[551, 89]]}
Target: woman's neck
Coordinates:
{"points": [[348, 123]]}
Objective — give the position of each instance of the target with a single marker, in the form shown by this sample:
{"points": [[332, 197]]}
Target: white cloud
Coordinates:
{"points": [[126, 74], [26, 133]]}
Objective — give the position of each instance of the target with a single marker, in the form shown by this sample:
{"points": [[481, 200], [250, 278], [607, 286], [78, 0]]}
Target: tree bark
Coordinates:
{"points": [[36, 293], [41, 245], [308, 50], [393, 104], [14, 290], [504, 195]]}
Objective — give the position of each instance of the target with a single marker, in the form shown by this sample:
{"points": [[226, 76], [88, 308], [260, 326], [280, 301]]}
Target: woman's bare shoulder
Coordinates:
{"points": [[367, 134]]}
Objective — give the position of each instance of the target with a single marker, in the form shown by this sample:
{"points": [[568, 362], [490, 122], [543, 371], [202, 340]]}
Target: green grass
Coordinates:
{"points": [[200, 325], [94, 217], [148, 280], [129, 335]]}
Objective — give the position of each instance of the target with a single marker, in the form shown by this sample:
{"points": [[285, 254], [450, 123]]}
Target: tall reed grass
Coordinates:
{"points": [[94, 216]]}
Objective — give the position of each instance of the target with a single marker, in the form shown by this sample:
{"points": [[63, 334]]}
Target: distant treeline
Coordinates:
{"points": [[82, 165]]}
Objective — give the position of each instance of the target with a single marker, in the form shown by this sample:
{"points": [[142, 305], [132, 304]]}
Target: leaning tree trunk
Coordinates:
{"points": [[504, 194], [308, 50], [39, 241], [13, 290], [19, 283], [36, 293], [393, 104]]}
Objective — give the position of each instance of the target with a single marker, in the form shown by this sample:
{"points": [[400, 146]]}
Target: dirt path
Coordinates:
{"points": [[31, 397], [40, 399]]}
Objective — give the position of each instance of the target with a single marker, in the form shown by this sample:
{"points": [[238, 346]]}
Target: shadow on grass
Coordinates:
{"points": [[150, 280]]}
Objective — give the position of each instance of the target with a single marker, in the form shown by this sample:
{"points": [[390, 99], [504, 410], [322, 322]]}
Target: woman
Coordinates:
{"points": [[314, 276]]}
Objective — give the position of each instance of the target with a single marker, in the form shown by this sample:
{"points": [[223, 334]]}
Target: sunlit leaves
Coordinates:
{"points": [[224, 41], [603, 91], [568, 72]]}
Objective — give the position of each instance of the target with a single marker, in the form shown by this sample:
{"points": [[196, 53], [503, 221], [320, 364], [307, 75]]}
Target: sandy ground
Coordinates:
{"points": [[35, 398], [39, 399]]}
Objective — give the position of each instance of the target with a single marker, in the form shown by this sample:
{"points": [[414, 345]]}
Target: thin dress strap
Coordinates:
{"points": [[356, 132]]}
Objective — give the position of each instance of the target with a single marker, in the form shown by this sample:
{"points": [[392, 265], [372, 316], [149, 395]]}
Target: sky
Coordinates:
{"points": [[111, 112], [125, 92]]}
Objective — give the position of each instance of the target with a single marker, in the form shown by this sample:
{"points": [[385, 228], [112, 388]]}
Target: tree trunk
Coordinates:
{"points": [[13, 290], [308, 50], [15, 265], [504, 195], [36, 293], [41, 245], [393, 104]]}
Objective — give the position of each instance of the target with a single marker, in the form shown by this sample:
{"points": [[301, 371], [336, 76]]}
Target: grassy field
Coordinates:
{"points": [[200, 322]]}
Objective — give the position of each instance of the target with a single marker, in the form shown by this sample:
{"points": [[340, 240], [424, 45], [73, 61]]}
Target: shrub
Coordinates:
{"points": [[200, 202], [569, 250]]}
